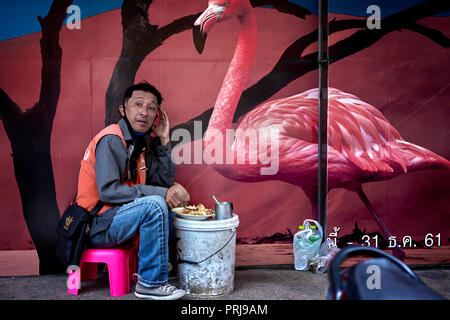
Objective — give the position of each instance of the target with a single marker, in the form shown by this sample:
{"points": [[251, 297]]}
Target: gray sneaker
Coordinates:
{"points": [[164, 292]]}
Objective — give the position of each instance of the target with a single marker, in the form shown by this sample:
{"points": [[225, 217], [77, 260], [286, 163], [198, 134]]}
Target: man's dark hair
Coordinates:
{"points": [[143, 86]]}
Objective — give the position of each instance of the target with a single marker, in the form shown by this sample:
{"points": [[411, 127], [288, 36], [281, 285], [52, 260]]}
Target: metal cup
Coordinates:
{"points": [[224, 210]]}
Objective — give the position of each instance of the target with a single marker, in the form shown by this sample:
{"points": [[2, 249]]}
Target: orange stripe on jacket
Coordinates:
{"points": [[87, 196]]}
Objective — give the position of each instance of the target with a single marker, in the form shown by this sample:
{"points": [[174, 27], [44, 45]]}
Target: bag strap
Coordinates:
{"points": [[97, 208], [94, 210]]}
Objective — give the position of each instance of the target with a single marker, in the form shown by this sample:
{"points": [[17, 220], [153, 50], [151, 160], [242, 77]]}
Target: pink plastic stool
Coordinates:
{"points": [[121, 267]]}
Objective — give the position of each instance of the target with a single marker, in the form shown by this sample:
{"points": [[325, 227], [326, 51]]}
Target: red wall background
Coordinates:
{"points": [[404, 75]]}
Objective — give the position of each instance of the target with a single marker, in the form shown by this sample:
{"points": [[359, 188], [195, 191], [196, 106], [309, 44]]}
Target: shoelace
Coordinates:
{"points": [[168, 288]]}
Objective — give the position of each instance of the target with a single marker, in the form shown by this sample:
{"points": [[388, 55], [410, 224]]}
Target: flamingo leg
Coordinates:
{"points": [[397, 251]]}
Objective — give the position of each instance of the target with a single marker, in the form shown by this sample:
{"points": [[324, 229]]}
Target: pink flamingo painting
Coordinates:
{"points": [[362, 145]]}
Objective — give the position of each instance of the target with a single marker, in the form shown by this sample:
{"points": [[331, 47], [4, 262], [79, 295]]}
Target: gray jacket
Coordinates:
{"points": [[110, 165]]}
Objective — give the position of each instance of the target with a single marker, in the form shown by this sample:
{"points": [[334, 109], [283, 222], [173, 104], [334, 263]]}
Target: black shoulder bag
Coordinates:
{"points": [[73, 231]]}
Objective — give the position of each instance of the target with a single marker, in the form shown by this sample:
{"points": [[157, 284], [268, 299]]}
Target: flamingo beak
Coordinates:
{"points": [[202, 26]]}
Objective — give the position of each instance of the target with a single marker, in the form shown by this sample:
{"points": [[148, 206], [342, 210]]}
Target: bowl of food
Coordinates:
{"points": [[199, 212]]}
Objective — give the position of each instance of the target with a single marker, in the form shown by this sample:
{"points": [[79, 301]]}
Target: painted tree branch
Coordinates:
{"points": [[139, 37], [283, 6], [9, 113], [29, 133], [432, 34]]}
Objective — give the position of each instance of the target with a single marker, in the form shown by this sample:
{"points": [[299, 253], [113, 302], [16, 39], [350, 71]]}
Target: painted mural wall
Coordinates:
{"points": [[388, 136]]}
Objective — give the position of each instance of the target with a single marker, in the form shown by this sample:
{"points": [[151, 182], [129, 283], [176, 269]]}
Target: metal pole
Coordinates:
{"points": [[323, 115]]}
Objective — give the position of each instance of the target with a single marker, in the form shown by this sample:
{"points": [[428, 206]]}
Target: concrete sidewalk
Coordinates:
{"points": [[279, 282]]}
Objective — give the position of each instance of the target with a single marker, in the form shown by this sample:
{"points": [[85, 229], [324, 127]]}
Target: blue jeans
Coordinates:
{"points": [[149, 217]]}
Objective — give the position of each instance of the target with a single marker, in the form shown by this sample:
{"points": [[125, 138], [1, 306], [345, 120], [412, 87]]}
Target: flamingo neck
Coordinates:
{"points": [[237, 74]]}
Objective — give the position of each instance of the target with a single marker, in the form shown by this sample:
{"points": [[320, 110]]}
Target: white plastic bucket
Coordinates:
{"points": [[206, 255]]}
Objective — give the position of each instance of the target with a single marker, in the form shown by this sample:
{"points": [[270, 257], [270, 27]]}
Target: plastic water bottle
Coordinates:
{"points": [[301, 246], [301, 238], [315, 234]]}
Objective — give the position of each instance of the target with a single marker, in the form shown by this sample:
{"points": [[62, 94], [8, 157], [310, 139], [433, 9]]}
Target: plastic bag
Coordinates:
{"points": [[306, 244], [320, 263]]}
